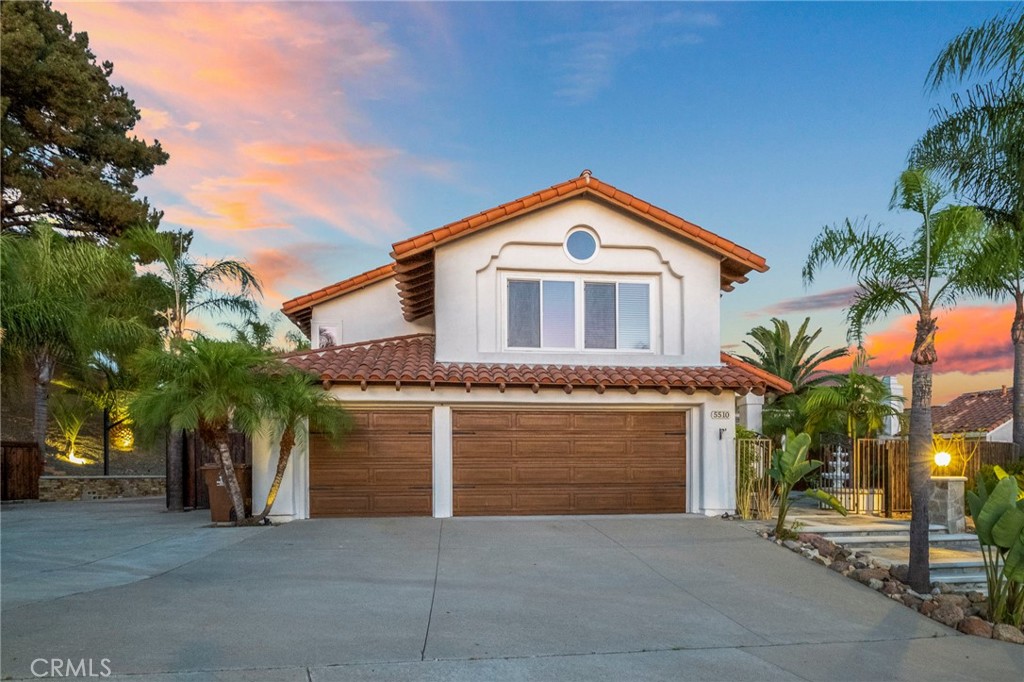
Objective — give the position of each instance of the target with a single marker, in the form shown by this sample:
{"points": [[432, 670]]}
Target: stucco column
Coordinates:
{"points": [[749, 410], [946, 505], [442, 458]]}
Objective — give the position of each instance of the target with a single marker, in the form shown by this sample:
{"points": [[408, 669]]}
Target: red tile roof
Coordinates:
{"points": [[975, 412], [299, 310], [409, 360], [585, 183], [414, 256]]}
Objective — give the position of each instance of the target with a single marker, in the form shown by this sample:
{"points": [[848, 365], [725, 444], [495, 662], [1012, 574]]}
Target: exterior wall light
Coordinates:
{"points": [[942, 459]]}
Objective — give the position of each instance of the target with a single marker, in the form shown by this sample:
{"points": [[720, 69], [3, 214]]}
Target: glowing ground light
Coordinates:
{"points": [[943, 459]]}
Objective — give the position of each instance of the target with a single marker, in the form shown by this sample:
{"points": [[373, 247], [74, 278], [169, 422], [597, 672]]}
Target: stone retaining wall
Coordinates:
{"points": [[67, 488]]}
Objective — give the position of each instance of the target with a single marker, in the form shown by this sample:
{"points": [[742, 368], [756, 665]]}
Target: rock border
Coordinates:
{"points": [[963, 611]]}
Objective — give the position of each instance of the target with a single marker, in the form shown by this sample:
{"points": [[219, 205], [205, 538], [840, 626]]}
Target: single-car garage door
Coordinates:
{"points": [[382, 467], [562, 462]]}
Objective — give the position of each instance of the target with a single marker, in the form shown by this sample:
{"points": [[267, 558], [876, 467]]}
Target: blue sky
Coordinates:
{"points": [[308, 137]]}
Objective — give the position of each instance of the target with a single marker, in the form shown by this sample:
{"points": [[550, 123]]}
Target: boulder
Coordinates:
{"points": [[809, 552], [928, 608], [824, 546], [900, 572], [893, 587], [911, 601], [953, 599], [839, 565], [975, 597], [972, 625], [947, 614], [792, 545], [875, 584], [1007, 633], [865, 574]]}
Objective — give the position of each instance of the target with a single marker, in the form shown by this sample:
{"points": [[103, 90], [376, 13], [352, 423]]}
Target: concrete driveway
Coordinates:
{"points": [[580, 598]]}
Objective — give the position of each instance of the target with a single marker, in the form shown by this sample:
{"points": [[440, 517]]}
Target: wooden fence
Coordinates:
{"points": [[20, 469]]}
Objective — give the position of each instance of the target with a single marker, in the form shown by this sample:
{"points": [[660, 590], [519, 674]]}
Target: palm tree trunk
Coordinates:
{"points": [[44, 367], [1017, 336], [175, 474], [923, 356], [287, 443], [218, 435]]}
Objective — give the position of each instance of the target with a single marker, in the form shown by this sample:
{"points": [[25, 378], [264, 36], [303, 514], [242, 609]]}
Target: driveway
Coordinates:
{"points": [[559, 598]]}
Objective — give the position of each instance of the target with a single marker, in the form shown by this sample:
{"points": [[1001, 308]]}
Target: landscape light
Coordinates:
{"points": [[943, 458]]}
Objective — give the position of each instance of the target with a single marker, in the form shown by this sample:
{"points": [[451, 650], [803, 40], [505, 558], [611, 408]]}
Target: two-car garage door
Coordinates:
{"points": [[506, 462]]}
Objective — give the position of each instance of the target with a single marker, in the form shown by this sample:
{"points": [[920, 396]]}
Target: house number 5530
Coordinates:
{"points": [[721, 414]]}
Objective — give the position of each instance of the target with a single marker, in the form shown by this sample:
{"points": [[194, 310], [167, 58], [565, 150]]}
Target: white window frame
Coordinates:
{"points": [[578, 300]]}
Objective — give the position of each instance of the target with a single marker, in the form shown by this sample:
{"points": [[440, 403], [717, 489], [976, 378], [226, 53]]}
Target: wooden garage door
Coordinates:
{"points": [[380, 468], [579, 462]]}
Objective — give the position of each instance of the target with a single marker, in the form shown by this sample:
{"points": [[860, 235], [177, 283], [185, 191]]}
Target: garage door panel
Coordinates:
{"points": [[657, 474], [541, 448], [542, 502], [602, 447], [470, 502], [465, 445], [596, 474], [382, 467], [609, 502], [483, 474], [546, 474], [569, 462], [470, 420], [400, 421], [658, 421], [543, 421], [590, 422]]}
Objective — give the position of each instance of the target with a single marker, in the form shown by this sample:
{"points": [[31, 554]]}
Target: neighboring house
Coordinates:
{"points": [[983, 415], [558, 354]]}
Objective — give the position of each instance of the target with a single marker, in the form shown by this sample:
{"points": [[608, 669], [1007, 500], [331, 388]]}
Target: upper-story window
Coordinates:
{"points": [[578, 313], [581, 245]]}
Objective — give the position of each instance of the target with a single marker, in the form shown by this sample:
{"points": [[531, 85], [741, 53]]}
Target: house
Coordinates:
{"points": [[557, 354], [982, 415]]}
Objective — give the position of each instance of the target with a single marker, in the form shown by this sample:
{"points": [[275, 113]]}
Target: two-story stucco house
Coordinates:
{"points": [[558, 354]]}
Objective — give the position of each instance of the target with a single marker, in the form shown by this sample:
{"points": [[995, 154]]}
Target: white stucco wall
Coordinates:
{"points": [[469, 291], [710, 440], [373, 312], [1001, 434], [292, 500]]}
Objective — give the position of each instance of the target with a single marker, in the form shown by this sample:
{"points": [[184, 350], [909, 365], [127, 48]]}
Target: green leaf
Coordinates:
{"points": [[1003, 497], [1007, 530], [827, 498], [1013, 568]]}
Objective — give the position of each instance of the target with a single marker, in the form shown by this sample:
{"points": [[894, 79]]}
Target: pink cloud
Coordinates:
{"points": [[251, 101]]}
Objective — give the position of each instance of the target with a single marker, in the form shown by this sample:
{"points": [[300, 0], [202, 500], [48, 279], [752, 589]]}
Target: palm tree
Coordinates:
{"points": [[996, 270], [784, 354], [859, 401], [195, 289], [58, 312], [206, 386], [295, 398], [912, 276], [978, 144]]}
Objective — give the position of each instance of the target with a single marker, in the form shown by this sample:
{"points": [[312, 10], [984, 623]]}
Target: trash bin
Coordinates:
{"points": [[220, 499]]}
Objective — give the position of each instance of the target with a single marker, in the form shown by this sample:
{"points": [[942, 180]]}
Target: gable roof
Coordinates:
{"points": [[975, 412], [414, 257], [409, 360], [300, 309]]}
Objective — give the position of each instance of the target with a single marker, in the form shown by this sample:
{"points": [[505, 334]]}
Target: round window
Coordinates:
{"points": [[581, 245]]}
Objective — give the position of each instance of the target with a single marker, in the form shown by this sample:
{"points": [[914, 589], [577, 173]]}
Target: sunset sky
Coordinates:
{"points": [[307, 137]]}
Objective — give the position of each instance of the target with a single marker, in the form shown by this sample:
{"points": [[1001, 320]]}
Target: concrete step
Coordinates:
{"points": [[861, 541], [966, 581], [953, 569], [867, 529]]}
